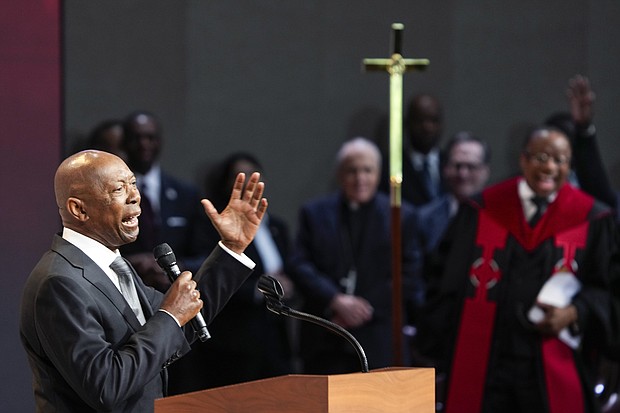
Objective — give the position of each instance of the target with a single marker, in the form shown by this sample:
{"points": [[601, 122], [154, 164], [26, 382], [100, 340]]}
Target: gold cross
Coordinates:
{"points": [[396, 66]]}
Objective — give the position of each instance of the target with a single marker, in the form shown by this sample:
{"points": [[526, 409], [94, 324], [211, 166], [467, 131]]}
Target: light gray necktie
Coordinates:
{"points": [[128, 288]]}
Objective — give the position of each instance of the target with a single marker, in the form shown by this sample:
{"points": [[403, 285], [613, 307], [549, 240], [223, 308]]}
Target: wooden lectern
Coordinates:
{"points": [[379, 391]]}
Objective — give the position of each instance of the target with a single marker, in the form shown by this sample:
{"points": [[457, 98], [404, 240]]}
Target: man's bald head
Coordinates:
{"points": [[77, 174], [97, 196]]}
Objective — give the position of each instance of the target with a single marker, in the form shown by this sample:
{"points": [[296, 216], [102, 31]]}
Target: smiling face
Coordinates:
{"points": [[465, 172], [545, 162], [97, 196]]}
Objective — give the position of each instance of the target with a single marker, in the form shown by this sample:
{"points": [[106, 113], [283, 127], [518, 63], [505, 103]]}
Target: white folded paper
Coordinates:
{"points": [[558, 291]]}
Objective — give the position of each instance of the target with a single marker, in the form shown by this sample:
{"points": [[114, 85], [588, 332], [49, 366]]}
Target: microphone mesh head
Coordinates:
{"points": [[164, 255]]}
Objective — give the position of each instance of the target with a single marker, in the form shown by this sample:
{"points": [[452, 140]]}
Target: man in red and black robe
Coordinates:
{"points": [[496, 260]]}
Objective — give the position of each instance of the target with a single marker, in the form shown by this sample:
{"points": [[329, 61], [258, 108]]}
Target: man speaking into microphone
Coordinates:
{"points": [[97, 338]]}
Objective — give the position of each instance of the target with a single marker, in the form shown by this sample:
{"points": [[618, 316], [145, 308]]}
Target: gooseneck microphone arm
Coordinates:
{"points": [[273, 292], [168, 262]]}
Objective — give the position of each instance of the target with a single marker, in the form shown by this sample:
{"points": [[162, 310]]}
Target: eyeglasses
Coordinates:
{"points": [[542, 158], [469, 167]]}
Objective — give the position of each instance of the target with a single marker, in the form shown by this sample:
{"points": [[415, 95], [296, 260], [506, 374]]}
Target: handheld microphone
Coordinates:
{"points": [[168, 262], [273, 292]]}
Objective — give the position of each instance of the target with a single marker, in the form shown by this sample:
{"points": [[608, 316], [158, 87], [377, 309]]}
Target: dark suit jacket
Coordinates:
{"points": [[182, 224], [590, 170], [433, 220], [413, 188], [321, 259], [87, 350]]}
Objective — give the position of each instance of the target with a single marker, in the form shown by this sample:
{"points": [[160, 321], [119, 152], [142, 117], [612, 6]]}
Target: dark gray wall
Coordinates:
{"points": [[283, 78]]}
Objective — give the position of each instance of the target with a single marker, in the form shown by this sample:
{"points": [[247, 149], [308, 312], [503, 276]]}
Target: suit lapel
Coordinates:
{"points": [[374, 222], [168, 197], [99, 279], [336, 225], [163, 202]]}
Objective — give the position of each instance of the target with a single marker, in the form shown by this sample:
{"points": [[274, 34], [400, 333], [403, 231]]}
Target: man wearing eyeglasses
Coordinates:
{"points": [[525, 293], [465, 172]]}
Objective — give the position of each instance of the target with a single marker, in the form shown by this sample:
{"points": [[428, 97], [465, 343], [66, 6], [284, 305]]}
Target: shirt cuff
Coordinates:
{"points": [[242, 258], [170, 314]]}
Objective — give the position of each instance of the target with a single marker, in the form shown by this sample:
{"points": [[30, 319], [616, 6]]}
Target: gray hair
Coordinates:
{"points": [[355, 145]]}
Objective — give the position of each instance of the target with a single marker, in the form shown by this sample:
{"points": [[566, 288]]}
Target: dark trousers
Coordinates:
{"points": [[515, 385]]}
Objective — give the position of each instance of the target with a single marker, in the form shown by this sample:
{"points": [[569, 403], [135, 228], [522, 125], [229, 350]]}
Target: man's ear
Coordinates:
{"points": [[75, 207]]}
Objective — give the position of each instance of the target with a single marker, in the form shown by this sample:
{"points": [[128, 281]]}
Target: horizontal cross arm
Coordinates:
{"points": [[383, 64]]}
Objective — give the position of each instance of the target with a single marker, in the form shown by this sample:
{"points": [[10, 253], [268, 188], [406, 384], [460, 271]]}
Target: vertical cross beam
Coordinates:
{"points": [[396, 66]]}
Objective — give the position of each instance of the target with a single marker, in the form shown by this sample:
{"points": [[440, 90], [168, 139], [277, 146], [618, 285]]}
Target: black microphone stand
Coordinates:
{"points": [[273, 292]]}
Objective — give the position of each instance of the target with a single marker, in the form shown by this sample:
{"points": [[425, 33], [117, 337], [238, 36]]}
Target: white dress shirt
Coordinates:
{"points": [[432, 158], [526, 194]]}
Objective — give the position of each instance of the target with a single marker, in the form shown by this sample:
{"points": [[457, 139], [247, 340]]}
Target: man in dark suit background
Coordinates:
{"points": [[170, 207], [465, 172], [98, 339], [421, 160], [341, 264]]}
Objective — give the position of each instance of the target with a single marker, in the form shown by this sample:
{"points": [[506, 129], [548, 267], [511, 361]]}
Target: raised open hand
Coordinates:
{"points": [[238, 222], [581, 100]]}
